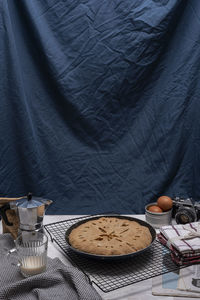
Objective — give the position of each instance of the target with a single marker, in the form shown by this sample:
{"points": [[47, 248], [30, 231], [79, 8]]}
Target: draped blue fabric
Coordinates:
{"points": [[99, 102]]}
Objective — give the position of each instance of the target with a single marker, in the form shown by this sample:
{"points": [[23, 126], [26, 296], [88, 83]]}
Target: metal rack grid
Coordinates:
{"points": [[111, 275]]}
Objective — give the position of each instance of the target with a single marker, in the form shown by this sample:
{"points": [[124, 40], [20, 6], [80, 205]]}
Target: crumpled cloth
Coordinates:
{"points": [[183, 241], [59, 281]]}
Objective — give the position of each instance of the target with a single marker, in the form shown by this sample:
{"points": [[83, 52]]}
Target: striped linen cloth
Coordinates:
{"points": [[59, 281], [183, 241]]}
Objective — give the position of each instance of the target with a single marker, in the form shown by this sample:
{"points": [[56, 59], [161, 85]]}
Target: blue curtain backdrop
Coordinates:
{"points": [[99, 102]]}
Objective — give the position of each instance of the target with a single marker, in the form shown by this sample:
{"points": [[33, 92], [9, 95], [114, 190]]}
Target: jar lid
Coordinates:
{"points": [[30, 201]]}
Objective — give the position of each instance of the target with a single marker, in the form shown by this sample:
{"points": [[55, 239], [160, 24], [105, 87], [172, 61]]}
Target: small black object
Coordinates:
{"points": [[3, 210], [29, 196]]}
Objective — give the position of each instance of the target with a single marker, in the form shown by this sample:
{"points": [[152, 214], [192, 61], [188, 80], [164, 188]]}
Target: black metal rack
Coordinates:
{"points": [[111, 275]]}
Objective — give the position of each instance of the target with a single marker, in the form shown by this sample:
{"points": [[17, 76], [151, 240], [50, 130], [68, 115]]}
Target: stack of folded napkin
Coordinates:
{"points": [[183, 241]]}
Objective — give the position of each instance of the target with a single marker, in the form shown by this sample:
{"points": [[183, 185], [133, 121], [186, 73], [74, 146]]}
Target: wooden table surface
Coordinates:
{"points": [[137, 291]]}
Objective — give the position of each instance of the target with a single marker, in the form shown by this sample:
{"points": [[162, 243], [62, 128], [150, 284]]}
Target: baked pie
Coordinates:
{"points": [[110, 236]]}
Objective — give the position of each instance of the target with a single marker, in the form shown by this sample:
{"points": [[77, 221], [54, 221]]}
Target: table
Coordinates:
{"points": [[136, 291]]}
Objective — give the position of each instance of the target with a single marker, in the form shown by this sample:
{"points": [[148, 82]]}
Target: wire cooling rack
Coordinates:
{"points": [[111, 275]]}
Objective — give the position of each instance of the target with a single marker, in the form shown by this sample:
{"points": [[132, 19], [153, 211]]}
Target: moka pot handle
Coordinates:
{"points": [[3, 214]]}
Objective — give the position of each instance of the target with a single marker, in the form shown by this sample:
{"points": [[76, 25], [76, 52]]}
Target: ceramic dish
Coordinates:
{"points": [[110, 257], [158, 220]]}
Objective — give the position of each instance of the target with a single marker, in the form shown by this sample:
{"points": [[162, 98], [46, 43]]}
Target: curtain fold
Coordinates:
{"points": [[99, 102]]}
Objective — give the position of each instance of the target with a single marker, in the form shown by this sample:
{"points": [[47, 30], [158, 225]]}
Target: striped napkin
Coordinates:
{"points": [[183, 241]]}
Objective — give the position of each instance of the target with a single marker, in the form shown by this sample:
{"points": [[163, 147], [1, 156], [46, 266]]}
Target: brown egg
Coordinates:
{"points": [[155, 208], [165, 203]]}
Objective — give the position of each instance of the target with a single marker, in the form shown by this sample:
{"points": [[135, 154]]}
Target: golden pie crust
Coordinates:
{"points": [[110, 236]]}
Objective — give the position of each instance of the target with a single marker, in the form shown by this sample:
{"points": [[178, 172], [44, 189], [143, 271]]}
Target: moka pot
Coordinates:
{"points": [[31, 211]]}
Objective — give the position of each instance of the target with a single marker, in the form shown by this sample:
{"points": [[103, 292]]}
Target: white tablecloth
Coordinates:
{"points": [[137, 291]]}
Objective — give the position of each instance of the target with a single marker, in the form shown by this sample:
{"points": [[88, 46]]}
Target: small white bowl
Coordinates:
{"points": [[158, 219]]}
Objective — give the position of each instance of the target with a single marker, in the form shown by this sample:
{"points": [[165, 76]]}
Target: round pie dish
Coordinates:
{"points": [[110, 257]]}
